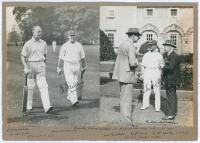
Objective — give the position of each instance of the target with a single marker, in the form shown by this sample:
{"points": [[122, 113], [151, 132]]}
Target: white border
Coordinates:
{"points": [[164, 1]]}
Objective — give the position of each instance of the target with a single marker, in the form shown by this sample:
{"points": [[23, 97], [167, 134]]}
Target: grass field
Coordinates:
{"points": [[88, 110]]}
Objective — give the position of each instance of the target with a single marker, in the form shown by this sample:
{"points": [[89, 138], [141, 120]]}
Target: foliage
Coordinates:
{"points": [[13, 37], [186, 78], [187, 58], [56, 21], [106, 49]]}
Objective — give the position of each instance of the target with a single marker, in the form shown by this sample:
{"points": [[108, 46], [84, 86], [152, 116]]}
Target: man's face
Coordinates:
{"points": [[72, 38], [135, 38], [167, 48], [37, 33], [152, 48]]}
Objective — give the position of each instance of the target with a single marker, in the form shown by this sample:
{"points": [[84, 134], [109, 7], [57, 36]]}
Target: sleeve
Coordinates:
{"points": [[171, 65], [45, 48], [82, 54], [162, 63], [132, 55], [25, 50], [62, 52], [143, 61]]}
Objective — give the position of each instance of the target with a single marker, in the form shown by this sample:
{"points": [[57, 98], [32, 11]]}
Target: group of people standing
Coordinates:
{"points": [[33, 57], [154, 65], [154, 68]]}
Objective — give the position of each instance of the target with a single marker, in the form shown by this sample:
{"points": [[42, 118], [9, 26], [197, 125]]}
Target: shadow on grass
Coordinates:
{"points": [[163, 107], [59, 113], [117, 108], [105, 80]]}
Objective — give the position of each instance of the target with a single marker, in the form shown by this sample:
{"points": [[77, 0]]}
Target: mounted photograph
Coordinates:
{"points": [[147, 65], [51, 72]]}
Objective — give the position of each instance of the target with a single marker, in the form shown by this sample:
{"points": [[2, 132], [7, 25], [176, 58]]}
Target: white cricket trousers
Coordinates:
{"points": [[152, 77], [72, 73], [37, 76]]}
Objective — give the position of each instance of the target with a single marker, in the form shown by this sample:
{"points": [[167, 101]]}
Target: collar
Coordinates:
{"points": [[129, 40], [35, 40], [169, 53], [71, 42]]}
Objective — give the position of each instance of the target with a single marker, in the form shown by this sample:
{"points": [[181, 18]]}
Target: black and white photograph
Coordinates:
{"points": [[52, 65], [99, 71], [146, 65]]}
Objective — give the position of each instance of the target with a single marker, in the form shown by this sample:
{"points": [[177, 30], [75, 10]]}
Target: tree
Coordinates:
{"points": [[56, 21], [13, 37], [106, 49], [29, 17]]}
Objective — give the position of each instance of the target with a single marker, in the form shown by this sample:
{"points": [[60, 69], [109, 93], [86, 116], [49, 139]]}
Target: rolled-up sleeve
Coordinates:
{"points": [[62, 52], [162, 63], [25, 50], [45, 48], [82, 54]]}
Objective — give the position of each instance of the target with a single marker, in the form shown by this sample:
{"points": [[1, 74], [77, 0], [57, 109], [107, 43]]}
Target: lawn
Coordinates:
{"points": [[15, 83]]}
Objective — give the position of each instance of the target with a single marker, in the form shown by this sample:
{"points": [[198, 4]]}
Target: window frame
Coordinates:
{"points": [[109, 15], [170, 12], [150, 37], [172, 39], [146, 13], [111, 38]]}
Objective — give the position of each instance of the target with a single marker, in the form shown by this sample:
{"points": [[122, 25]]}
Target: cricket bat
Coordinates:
{"points": [[25, 95]]}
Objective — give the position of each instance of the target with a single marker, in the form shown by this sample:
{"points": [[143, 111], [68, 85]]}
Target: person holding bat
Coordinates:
{"points": [[73, 55], [33, 57]]}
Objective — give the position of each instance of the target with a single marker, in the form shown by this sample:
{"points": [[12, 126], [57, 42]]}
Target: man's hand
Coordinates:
{"points": [[26, 71], [58, 70], [83, 69]]}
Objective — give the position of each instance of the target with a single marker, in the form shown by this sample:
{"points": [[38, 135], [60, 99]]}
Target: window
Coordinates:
{"points": [[111, 38], [149, 12], [173, 37], [173, 12], [111, 14], [149, 37]]}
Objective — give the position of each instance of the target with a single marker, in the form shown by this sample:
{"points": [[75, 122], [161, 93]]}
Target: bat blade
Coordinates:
{"points": [[24, 100]]}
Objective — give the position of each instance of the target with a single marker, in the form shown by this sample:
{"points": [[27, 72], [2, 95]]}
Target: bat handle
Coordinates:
{"points": [[26, 77]]}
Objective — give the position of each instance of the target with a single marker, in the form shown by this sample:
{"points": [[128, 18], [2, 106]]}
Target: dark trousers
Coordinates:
{"points": [[171, 100]]}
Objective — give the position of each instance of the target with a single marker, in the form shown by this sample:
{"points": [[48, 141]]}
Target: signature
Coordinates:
{"points": [[160, 122], [66, 90]]}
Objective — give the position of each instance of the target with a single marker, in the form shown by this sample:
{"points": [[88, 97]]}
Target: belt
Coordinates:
{"points": [[151, 68], [34, 61]]}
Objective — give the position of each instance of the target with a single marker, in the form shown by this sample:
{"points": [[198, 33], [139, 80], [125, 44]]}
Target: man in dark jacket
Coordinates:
{"points": [[171, 72]]}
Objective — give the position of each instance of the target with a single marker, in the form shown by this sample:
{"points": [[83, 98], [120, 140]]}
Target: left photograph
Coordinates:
{"points": [[51, 65]]}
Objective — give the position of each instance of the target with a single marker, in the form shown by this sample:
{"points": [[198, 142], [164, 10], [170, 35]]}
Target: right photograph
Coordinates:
{"points": [[146, 65]]}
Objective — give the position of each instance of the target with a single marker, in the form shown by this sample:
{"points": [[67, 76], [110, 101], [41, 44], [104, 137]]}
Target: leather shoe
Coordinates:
{"points": [[75, 104], [144, 108], [49, 110], [169, 118]]}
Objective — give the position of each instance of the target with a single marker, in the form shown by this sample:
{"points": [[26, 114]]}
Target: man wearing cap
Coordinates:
{"points": [[33, 57], [171, 72], [73, 55], [152, 63], [124, 72]]}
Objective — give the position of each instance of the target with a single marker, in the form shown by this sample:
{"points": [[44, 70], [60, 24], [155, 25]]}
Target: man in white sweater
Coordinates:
{"points": [[73, 55], [152, 63]]}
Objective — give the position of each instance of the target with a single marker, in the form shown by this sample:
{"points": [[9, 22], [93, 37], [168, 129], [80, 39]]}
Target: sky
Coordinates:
{"points": [[10, 20]]}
